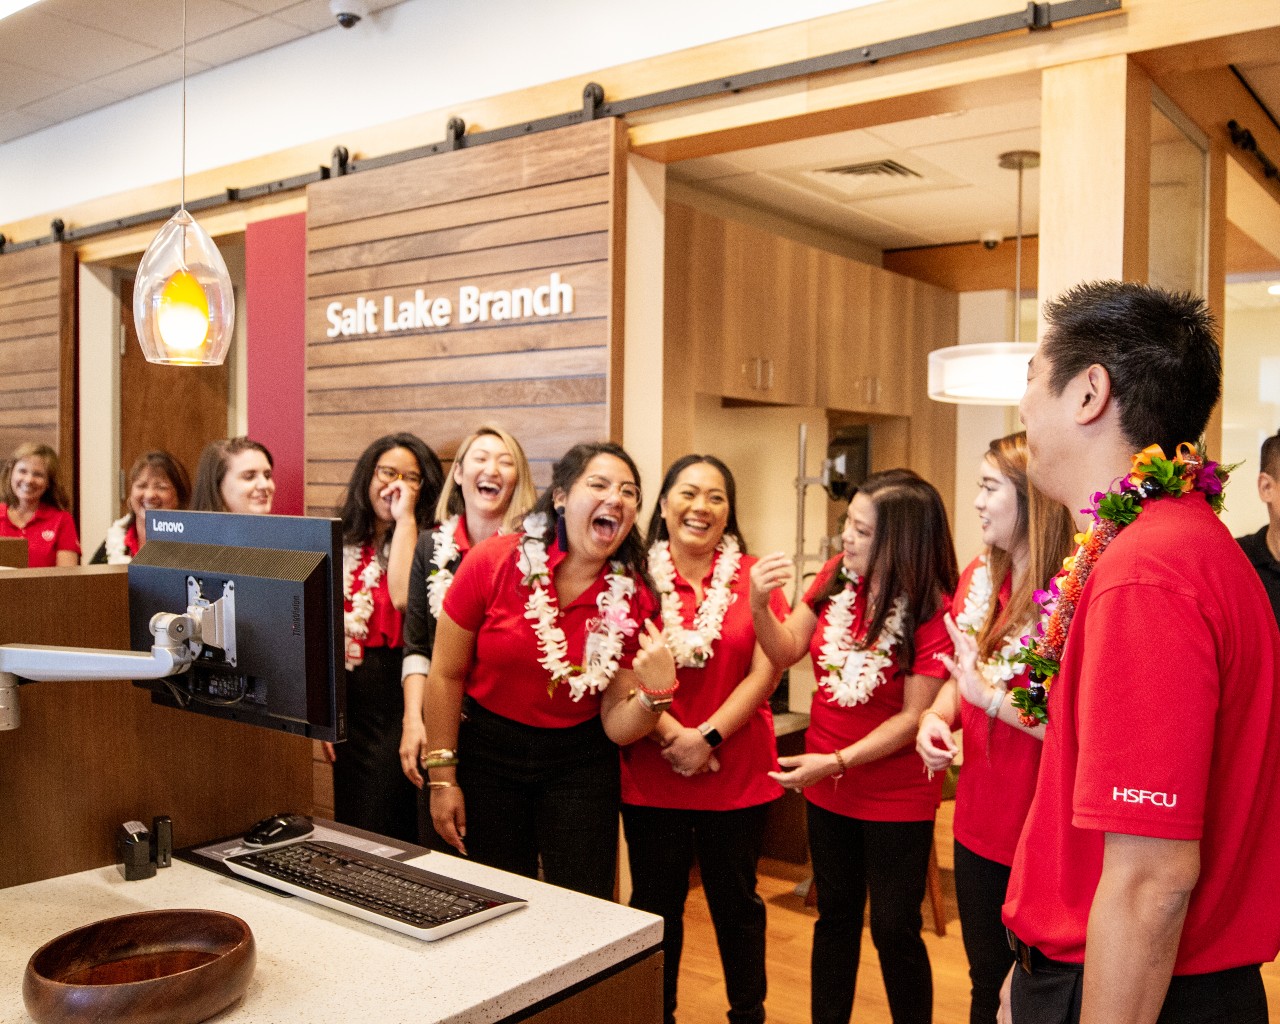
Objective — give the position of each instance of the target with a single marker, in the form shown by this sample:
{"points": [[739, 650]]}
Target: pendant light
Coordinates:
{"points": [[993, 373], [183, 305]]}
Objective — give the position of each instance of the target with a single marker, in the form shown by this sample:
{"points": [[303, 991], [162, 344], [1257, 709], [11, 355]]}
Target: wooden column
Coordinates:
{"points": [[1095, 128]]}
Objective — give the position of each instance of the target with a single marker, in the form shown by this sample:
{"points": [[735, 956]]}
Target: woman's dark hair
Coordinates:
{"points": [[1160, 350], [356, 513], [162, 462], [565, 473], [912, 556], [658, 525], [212, 469], [53, 493]]}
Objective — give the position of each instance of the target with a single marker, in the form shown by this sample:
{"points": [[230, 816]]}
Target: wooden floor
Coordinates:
{"points": [[701, 994]]}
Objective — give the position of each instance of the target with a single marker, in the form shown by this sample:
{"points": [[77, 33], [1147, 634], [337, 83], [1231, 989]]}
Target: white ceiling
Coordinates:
{"points": [[961, 193], [63, 58]]}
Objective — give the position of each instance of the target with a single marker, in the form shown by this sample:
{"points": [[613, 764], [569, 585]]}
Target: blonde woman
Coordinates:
{"points": [[35, 508], [489, 489]]}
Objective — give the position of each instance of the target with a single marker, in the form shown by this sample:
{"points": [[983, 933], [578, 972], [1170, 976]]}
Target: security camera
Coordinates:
{"points": [[348, 12], [991, 238]]}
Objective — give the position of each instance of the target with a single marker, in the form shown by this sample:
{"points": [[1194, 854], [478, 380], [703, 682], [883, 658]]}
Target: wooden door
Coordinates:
{"points": [[890, 354], [177, 408]]}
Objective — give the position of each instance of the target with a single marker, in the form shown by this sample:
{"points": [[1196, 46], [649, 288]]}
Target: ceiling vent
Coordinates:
{"points": [[891, 175], [872, 169]]}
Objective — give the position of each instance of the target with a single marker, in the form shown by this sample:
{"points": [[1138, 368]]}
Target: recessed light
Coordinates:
{"points": [[1273, 289]]}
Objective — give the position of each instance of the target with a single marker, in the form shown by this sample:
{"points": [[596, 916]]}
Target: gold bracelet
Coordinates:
{"points": [[432, 784], [929, 711], [840, 761], [439, 762], [443, 752]]}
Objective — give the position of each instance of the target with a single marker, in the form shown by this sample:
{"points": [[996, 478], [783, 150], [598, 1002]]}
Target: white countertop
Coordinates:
{"points": [[316, 965]]}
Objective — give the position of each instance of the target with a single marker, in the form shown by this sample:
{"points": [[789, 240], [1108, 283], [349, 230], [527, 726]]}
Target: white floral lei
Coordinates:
{"points": [[604, 640], [1001, 667], [693, 648], [444, 551], [853, 672], [356, 622], [117, 552]]}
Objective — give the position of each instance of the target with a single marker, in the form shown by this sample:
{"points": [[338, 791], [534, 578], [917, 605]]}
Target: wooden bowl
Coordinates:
{"points": [[160, 967]]}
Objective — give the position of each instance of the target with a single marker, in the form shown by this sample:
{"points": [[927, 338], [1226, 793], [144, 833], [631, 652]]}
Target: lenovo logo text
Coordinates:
{"points": [[161, 526], [1144, 796]]}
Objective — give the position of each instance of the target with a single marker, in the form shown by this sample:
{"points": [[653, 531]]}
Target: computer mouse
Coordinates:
{"points": [[279, 828]]}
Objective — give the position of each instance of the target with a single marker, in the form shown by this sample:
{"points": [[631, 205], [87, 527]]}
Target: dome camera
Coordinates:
{"points": [[348, 12], [991, 238]]}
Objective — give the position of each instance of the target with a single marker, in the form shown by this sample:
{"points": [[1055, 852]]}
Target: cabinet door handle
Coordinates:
{"points": [[875, 392], [768, 380], [759, 373]]}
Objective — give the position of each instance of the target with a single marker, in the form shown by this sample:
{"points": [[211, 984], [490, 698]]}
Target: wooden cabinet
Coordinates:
{"points": [[767, 323], [771, 320], [866, 337], [746, 304]]}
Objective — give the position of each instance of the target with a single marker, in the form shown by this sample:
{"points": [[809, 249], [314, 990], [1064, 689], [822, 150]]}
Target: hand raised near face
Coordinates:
{"points": [[654, 664], [767, 575]]}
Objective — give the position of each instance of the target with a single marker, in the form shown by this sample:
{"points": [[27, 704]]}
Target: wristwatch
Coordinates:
{"points": [[709, 733]]}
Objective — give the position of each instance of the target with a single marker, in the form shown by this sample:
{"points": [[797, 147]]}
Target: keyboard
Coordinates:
{"points": [[386, 892]]}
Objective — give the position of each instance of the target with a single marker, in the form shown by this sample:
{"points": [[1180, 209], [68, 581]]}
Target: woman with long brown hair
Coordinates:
{"points": [[156, 480], [873, 624], [1026, 537]]}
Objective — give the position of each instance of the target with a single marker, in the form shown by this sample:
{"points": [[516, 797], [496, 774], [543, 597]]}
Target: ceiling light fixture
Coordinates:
{"points": [[183, 305], [993, 373]]}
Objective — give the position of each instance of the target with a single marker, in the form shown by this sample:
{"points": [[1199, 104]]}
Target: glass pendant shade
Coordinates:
{"points": [[183, 305], [991, 374]]}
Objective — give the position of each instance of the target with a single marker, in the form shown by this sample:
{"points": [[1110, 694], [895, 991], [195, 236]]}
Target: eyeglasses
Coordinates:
{"points": [[389, 475], [627, 491]]}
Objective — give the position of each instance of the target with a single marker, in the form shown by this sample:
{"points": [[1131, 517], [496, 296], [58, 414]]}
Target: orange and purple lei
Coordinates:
{"points": [[1152, 476]]}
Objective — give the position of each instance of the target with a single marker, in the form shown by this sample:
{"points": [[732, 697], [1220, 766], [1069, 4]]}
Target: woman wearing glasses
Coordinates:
{"points": [[543, 642], [390, 497]]}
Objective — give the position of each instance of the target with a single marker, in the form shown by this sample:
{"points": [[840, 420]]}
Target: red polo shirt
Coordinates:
{"points": [[51, 530], [998, 778], [745, 757], [1164, 721], [488, 598], [893, 788]]}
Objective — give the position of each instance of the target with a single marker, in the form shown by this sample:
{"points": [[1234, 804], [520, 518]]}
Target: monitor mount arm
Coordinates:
{"points": [[178, 640]]}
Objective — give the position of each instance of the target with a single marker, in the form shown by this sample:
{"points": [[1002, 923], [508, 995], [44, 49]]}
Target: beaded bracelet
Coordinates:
{"points": [[669, 692], [840, 761]]}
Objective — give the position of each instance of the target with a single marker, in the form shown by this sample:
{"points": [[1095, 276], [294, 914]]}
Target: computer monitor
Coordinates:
{"points": [[272, 651]]}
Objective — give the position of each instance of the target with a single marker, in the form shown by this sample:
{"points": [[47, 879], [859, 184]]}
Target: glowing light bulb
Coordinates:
{"points": [[183, 318], [183, 302]]}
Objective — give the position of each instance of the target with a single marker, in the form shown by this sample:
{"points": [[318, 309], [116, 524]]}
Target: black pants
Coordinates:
{"points": [[661, 845], [541, 795], [369, 789], [980, 889], [1052, 993], [888, 859]]}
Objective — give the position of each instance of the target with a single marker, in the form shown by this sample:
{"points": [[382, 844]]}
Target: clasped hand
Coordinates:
{"points": [[803, 770]]}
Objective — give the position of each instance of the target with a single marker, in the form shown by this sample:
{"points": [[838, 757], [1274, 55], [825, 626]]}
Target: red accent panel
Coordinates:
{"points": [[275, 325]]}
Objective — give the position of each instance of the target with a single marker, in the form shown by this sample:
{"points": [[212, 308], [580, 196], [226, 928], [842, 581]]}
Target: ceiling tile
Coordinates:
{"points": [[43, 41], [21, 85], [19, 123], [150, 74], [157, 23], [251, 37], [968, 124], [309, 15], [73, 102]]}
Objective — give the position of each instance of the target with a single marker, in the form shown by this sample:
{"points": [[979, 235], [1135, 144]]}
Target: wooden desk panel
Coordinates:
{"points": [[89, 755]]}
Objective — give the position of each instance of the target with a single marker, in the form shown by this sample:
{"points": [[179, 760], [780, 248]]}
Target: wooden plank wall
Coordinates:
{"points": [[90, 755], [38, 352], [505, 215]]}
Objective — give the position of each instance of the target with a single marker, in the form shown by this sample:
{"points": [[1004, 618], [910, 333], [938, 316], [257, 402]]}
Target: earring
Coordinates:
{"points": [[562, 535]]}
